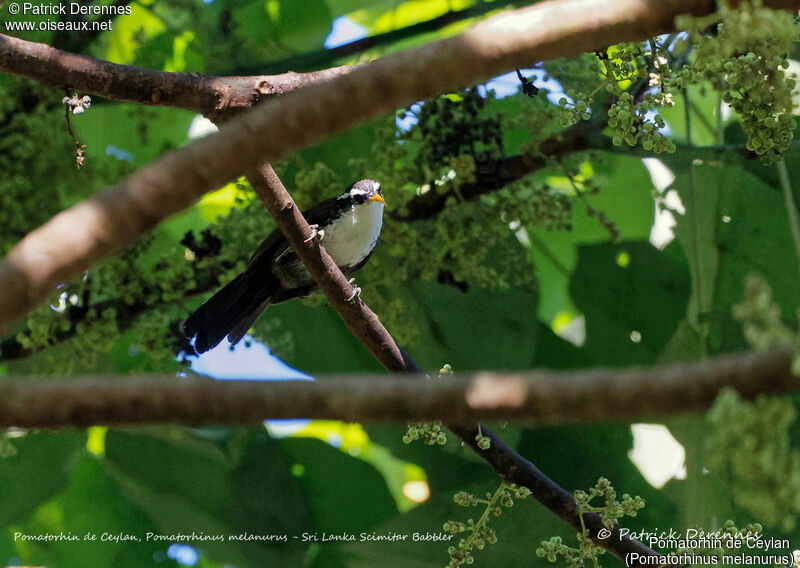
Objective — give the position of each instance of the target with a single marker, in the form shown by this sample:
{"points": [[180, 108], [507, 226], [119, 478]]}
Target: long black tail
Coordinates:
{"points": [[230, 312]]}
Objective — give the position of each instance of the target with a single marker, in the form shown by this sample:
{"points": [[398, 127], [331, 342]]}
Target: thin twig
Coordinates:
{"points": [[80, 149], [791, 206]]}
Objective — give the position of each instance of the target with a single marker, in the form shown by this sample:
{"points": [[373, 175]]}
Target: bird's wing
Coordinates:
{"points": [[269, 247], [325, 211], [320, 214]]}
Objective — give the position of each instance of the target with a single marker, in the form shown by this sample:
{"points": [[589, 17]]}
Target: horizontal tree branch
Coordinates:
{"points": [[537, 397], [191, 91], [80, 236], [494, 174]]}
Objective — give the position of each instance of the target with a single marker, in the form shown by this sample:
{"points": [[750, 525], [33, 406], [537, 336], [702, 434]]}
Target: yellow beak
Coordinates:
{"points": [[377, 197]]}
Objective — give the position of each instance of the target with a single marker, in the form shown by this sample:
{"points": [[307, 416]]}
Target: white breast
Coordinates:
{"points": [[350, 238]]}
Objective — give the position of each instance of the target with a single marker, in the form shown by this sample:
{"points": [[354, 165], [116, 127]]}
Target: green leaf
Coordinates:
{"points": [[699, 187], [46, 457], [287, 25], [632, 296], [129, 32], [741, 227], [92, 504], [704, 104], [184, 483], [625, 198], [320, 340], [337, 486], [585, 452], [145, 133], [165, 460], [387, 15]]}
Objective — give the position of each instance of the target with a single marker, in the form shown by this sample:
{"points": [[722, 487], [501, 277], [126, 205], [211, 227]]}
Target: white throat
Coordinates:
{"points": [[351, 237]]}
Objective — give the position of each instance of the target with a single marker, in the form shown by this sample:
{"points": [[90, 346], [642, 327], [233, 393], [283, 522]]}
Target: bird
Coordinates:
{"points": [[349, 227]]}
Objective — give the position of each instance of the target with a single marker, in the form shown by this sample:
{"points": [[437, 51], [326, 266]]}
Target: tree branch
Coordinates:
{"points": [[366, 326], [536, 397], [58, 251], [492, 175], [191, 91]]}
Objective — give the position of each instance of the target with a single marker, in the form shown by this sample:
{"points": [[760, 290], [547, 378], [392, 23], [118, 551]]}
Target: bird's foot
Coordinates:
{"points": [[356, 291], [316, 232]]}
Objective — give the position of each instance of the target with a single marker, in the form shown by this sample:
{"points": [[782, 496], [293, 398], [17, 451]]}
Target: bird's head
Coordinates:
{"points": [[364, 191]]}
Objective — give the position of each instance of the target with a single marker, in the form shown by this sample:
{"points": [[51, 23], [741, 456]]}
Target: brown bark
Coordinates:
{"points": [[73, 240], [536, 397], [191, 91]]}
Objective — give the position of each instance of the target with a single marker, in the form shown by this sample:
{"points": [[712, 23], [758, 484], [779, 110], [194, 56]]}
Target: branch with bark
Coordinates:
{"points": [[536, 397], [128, 83], [57, 252], [366, 326], [494, 174]]}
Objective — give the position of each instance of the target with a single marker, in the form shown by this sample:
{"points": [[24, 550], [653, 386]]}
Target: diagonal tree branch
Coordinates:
{"points": [[57, 251], [360, 320], [366, 326]]}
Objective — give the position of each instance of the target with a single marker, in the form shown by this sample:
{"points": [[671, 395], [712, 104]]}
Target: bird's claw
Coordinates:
{"points": [[356, 291], [316, 232]]}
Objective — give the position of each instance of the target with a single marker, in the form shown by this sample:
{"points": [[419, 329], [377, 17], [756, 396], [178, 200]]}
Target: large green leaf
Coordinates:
{"points": [[168, 461], [739, 225], [582, 453], [336, 487], [46, 457], [632, 296], [129, 32], [92, 504], [284, 25], [699, 187], [519, 530], [184, 482], [473, 330], [625, 197], [321, 342], [704, 105]]}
